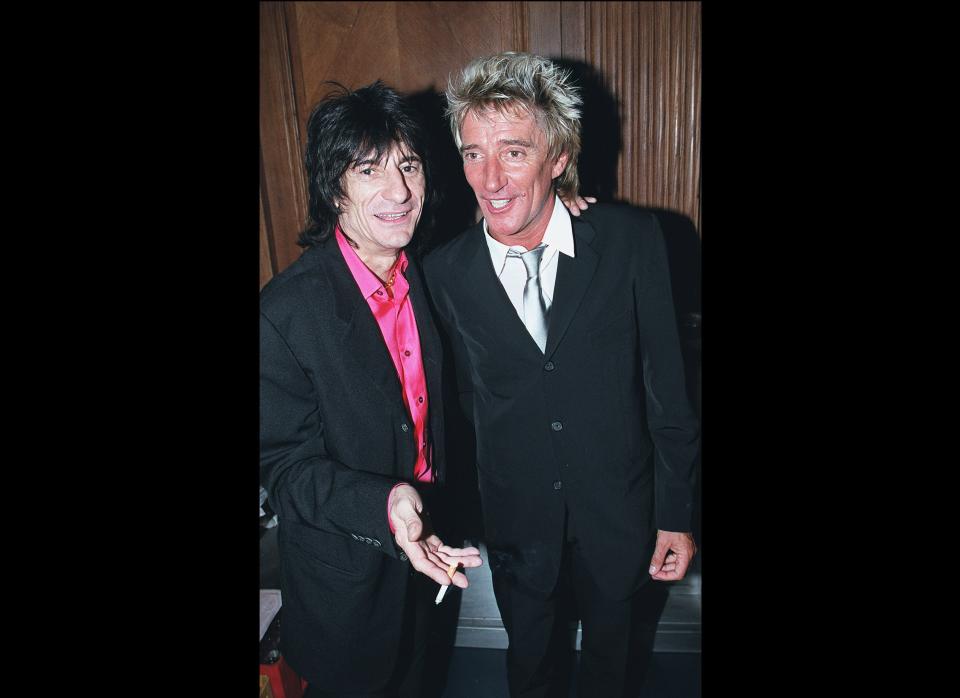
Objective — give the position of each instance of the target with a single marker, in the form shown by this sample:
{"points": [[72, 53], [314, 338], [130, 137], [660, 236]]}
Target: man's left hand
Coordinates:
{"points": [[424, 549], [672, 555]]}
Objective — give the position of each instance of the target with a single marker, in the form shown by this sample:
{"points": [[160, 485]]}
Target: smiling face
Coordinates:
{"points": [[506, 162], [383, 202]]}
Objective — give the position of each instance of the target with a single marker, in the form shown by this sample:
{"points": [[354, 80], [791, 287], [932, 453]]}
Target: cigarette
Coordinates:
{"points": [[443, 589]]}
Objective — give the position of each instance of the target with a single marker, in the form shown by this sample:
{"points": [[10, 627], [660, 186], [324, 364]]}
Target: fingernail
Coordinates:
{"points": [[652, 569]]}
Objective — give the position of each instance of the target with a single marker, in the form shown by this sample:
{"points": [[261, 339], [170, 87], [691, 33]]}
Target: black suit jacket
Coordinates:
{"points": [[600, 426], [335, 437]]}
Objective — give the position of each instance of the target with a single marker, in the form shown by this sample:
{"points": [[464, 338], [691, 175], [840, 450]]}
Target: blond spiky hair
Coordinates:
{"points": [[510, 80]]}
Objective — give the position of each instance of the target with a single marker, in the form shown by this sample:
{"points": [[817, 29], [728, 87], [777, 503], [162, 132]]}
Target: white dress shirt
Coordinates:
{"points": [[512, 273]]}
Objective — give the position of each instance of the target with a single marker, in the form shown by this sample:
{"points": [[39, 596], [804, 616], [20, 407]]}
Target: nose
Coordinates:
{"points": [[493, 179], [396, 189]]}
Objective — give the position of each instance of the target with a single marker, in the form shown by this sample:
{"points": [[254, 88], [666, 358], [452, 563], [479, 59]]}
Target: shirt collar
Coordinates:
{"points": [[559, 235], [368, 282]]}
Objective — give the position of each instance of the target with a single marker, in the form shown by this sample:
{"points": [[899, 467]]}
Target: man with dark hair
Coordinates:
{"points": [[569, 365], [351, 433]]}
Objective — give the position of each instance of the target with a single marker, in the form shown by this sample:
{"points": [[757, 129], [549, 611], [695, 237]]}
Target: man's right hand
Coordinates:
{"points": [[423, 548]]}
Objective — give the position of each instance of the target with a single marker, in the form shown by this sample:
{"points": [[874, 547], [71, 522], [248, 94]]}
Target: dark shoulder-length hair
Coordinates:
{"points": [[346, 127]]}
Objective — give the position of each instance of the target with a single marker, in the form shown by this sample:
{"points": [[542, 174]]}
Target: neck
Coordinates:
{"points": [[379, 264]]}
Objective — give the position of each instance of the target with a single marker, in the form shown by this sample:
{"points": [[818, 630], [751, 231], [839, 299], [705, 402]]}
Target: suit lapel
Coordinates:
{"points": [[361, 338], [490, 296], [573, 279]]}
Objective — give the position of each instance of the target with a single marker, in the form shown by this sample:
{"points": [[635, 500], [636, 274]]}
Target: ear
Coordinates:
{"points": [[559, 165]]}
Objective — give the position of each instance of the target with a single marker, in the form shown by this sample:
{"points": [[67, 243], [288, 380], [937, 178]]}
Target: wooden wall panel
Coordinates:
{"points": [[653, 66], [411, 46], [283, 192], [648, 54], [544, 31]]}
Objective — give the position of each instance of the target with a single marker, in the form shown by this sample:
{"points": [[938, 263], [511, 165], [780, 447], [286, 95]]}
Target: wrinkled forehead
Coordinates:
{"points": [[512, 112], [500, 118], [498, 110], [378, 153]]}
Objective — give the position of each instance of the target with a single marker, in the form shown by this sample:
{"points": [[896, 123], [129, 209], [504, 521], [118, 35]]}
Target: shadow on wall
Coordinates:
{"points": [[600, 141], [456, 208]]}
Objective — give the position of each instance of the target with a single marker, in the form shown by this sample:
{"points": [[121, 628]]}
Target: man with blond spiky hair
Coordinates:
{"points": [[569, 367]]}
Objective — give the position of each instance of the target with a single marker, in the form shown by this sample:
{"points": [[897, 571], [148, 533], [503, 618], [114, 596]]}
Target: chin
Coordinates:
{"points": [[503, 229]]}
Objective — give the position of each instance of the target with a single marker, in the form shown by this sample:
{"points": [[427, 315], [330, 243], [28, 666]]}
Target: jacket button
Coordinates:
{"points": [[557, 485], [403, 556], [557, 426], [404, 427], [376, 543], [548, 366]]}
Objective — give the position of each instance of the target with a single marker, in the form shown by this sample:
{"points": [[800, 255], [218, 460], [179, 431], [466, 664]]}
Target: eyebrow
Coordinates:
{"points": [[373, 161], [505, 141]]}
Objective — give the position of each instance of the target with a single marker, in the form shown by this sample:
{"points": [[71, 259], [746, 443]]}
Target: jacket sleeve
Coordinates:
{"points": [[673, 425], [303, 483]]}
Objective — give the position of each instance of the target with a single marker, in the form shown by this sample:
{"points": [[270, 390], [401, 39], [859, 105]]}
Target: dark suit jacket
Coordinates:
{"points": [[335, 437], [600, 426]]}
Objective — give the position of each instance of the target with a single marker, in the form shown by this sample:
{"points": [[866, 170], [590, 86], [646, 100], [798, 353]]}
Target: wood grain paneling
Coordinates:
{"points": [[411, 46], [572, 30], [282, 180], [648, 54], [653, 66], [544, 28]]}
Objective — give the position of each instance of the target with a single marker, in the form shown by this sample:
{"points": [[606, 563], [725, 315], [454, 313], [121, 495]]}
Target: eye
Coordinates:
{"points": [[409, 169], [515, 154], [470, 156], [366, 171]]}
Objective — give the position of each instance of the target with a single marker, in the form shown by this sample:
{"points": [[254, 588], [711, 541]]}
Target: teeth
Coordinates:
{"points": [[392, 216], [499, 203]]}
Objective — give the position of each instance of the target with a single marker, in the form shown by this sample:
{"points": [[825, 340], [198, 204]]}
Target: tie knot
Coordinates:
{"points": [[530, 259]]}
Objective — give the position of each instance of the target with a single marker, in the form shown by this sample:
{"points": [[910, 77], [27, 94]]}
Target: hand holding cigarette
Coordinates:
{"points": [[424, 549]]}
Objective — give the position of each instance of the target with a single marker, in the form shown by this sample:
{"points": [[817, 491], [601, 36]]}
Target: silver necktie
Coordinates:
{"points": [[536, 312]]}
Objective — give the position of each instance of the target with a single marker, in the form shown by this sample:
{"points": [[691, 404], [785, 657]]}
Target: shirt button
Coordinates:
{"points": [[379, 293], [404, 427], [406, 352], [548, 366], [420, 399], [557, 485], [556, 426]]}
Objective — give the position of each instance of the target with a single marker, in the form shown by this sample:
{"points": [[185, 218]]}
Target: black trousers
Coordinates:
{"points": [[616, 642], [407, 677]]}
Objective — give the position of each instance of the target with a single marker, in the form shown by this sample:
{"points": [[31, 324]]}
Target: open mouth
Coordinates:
{"points": [[392, 217], [499, 204]]}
